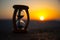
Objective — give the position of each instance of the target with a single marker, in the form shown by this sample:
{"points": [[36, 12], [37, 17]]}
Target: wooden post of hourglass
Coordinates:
{"points": [[19, 8]]}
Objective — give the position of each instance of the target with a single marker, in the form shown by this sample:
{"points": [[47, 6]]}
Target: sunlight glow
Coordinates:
{"points": [[41, 18]]}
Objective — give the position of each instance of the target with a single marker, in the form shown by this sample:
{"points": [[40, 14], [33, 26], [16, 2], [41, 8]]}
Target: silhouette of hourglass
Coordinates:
{"points": [[18, 23]]}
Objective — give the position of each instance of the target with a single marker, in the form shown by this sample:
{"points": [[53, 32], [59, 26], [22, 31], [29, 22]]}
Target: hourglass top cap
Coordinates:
{"points": [[20, 7]]}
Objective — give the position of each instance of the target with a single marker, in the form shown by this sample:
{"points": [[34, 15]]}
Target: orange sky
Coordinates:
{"points": [[48, 13], [47, 8]]}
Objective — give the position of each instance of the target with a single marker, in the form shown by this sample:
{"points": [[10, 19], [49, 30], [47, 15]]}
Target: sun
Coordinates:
{"points": [[41, 18]]}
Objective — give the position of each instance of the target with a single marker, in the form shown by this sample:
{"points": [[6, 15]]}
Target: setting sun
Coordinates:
{"points": [[41, 18]]}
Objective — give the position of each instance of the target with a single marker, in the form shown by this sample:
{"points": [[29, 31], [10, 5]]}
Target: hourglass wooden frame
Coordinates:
{"points": [[19, 8]]}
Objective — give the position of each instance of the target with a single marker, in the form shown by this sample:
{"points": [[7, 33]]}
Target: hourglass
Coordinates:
{"points": [[19, 24]]}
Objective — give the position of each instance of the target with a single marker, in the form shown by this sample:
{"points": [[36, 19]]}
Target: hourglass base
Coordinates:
{"points": [[20, 31]]}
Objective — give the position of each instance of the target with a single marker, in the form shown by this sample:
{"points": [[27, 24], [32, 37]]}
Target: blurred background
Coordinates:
{"points": [[44, 14], [49, 9]]}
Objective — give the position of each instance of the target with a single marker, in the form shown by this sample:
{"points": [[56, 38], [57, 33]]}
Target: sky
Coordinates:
{"points": [[49, 9]]}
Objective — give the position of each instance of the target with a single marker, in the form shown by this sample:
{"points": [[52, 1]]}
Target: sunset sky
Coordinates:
{"points": [[49, 9]]}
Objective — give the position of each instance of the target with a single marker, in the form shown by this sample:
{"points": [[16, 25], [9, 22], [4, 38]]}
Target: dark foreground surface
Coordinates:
{"points": [[30, 36], [36, 31]]}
